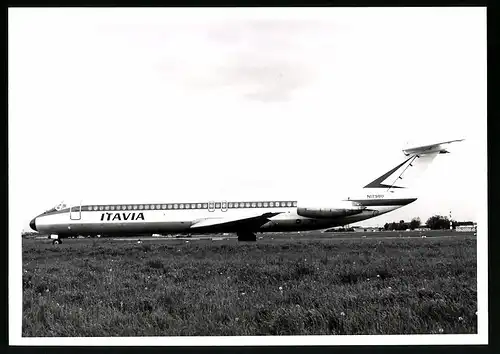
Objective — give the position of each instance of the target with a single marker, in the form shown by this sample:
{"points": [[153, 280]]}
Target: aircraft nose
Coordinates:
{"points": [[33, 224]]}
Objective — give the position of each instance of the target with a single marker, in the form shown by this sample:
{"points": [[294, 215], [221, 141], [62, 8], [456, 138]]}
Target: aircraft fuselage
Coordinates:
{"points": [[138, 219]]}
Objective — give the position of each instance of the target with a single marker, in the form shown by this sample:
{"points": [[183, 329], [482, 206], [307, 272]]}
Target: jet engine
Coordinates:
{"points": [[336, 210]]}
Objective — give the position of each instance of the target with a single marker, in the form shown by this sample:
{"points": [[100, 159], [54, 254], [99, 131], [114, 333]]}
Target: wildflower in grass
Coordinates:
{"points": [[476, 313], [460, 318], [280, 288], [242, 293], [389, 288], [342, 313], [378, 275], [441, 330], [145, 288], [237, 318]]}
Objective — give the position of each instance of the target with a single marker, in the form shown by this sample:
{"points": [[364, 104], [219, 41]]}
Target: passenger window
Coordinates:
{"points": [[112, 207], [259, 204], [205, 205], [135, 207], [141, 207], [164, 206], [181, 206], [217, 205], [176, 206], [271, 204], [186, 206], [106, 207], [254, 205], [294, 204], [169, 206], [146, 207], [193, 206]]}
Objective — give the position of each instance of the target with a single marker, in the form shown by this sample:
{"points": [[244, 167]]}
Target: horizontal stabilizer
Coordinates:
{"points": [[429, 149]]}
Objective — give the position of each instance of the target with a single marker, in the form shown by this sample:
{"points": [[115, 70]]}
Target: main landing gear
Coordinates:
{"points": [[246, 236]]}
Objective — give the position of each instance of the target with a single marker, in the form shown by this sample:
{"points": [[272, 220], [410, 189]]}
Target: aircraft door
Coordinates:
{"points": [[75, 211], [223, 206], [211, 206]]}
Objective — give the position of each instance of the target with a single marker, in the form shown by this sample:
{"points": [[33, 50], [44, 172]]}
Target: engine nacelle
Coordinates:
{"points": [[335, 210]]}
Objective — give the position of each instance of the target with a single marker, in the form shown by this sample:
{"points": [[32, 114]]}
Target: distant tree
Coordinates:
{"points": [[414, 223], [394, 226], [438, 222], [386, 226]]}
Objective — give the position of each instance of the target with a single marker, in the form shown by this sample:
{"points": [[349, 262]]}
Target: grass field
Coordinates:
{"points": [[272, 287]]}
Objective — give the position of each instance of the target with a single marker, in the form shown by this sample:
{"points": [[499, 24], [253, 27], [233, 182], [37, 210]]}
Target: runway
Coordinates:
{"points": [[292, 236]]}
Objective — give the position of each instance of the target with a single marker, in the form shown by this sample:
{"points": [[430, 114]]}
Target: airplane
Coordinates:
{"points": [[386, 193]]}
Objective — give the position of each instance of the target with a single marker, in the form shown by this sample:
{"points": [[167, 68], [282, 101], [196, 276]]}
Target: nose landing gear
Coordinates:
{"points": [[55, 239]]}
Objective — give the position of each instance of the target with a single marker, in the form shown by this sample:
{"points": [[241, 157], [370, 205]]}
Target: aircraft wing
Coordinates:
{"points": [[232, 223]]}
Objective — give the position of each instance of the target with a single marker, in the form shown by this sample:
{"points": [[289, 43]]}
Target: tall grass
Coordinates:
{"points": [[108, 288]]}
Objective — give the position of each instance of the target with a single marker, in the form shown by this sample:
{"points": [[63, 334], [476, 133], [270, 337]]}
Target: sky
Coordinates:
{"points": [[135, 105]]}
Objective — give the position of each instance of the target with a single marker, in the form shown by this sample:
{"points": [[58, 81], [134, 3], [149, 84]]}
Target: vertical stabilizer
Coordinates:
{"points": [[409, 172]]}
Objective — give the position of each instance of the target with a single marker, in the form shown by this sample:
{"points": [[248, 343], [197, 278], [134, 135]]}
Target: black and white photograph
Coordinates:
{"points": [[247, 176]]}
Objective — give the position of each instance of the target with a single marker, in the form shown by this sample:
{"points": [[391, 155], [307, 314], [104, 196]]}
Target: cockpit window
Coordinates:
{"points": [[60, 206]]}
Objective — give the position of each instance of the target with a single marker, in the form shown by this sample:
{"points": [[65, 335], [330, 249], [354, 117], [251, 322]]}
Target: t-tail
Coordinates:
{"points": [[407, 174]]}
